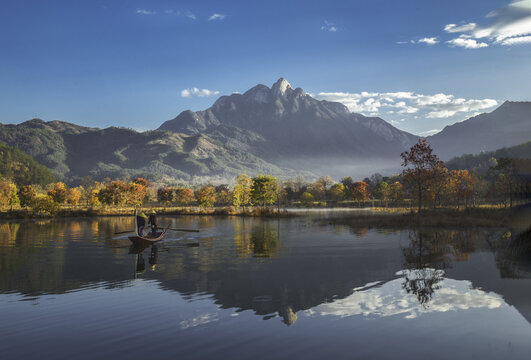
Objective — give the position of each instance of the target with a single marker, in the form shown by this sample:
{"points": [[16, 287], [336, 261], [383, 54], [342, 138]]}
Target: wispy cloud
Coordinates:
{"points": [[453, 28], [403, 103], [216, 16], [428, 41], [145, 12], [510, 25], [429, 132], [190, 15], [328, 26], [187, 93]]}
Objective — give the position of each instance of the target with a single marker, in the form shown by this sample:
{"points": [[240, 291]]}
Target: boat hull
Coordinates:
{"points": [[147, 240]]}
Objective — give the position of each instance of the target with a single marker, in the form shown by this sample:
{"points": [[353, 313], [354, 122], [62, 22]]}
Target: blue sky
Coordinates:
{"points": [[418, 64]]}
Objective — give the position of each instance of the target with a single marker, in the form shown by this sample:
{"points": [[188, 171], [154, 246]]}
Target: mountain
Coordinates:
{"points": [[21, 168], [508, 125], [290, 128], [73, 151]]}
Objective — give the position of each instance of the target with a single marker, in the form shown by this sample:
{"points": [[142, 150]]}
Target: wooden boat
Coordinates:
{"points": [[149, 238]]}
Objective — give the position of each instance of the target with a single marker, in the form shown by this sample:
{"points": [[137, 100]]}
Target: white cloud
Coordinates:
{"points": [[453, 28], [187, 93], [429, 41], [520, 40], [190, 15], [216, 17], [405, 102], [510, 25], [467, 43], [145, 12], [328, 26]]}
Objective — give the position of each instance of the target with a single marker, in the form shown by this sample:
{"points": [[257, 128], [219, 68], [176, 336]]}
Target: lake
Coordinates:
{"points": [[247, 288]]}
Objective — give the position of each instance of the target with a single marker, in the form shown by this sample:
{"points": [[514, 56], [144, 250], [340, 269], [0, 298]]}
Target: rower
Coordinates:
{"points": [[141, 222], [153, 222]]}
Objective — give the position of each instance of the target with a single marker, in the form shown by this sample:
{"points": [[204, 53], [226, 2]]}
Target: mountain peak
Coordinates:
{"points": [[281, 87]]}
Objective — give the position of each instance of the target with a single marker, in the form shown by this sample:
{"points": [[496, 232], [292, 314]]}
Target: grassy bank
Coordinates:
{"points": [[76, 211], [460, 218]]}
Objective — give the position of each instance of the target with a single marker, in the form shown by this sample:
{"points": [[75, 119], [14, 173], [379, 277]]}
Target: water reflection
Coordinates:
{"points": [[276, 268]]}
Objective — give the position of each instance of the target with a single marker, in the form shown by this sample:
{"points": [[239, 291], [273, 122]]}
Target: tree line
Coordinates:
{"points": [[424, 181]]}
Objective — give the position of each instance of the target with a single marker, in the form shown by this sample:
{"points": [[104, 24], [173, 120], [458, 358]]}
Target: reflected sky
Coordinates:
{"points": [[240, 282]]}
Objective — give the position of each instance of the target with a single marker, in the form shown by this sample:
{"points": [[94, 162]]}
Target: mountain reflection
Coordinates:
{"points": [[276, 268]]}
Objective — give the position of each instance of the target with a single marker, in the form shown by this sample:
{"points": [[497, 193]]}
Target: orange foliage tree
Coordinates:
{"points": [[358, 191], [58, 193], [72, 196]]}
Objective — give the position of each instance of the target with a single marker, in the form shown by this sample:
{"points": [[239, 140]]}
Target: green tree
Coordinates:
{"points": [[337, 192], [264, 190], [26, 195], [307, 199], [241, 196]]}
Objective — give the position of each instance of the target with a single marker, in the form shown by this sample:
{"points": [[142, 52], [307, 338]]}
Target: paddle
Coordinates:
{"points": [[188, 230], [124, 232]]}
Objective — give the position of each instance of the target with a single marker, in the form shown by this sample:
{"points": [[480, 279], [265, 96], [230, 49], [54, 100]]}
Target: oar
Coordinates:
{"points": [[123, 232], [188, 230]]}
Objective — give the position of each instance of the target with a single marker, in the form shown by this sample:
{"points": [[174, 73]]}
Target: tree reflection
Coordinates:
{"points": [[262, 241], [425, 258]]}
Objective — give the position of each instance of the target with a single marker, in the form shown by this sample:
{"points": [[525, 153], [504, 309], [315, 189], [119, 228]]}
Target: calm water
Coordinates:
{"points": [[262, 289]]}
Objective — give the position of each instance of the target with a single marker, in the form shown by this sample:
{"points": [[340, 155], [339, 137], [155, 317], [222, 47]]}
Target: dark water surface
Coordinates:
{"points": [[262, 289]]}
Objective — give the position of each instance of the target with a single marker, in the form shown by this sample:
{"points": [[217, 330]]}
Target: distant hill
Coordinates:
{"points": [[72, 152], [289, 128], [482, 160], [508, 125], [21, 168]]}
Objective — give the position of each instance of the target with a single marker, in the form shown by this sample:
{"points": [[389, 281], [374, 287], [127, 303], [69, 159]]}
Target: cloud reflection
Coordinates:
{"points": [[391, 299]]}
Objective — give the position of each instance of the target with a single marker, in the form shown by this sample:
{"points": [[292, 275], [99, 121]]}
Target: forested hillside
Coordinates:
{"points": [[21, 168]]}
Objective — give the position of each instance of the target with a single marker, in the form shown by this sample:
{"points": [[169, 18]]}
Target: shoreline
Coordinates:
{"points": [[519, 217], [27, 213]]}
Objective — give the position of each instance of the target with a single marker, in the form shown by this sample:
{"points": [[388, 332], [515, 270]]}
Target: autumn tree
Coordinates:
{"points": [[136, 193], [205, 196], [420, 163], [461, 185], [358, 191], [326, 181], [264, 190], [72, 196], [165, 195], [184, 196], [318, 190], [114, 193], [26, 195], [58, 192], [241, 196]]}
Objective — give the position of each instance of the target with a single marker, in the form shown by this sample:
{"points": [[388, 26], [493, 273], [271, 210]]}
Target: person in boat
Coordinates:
{"points": [[141, 222], [153, 222]]}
